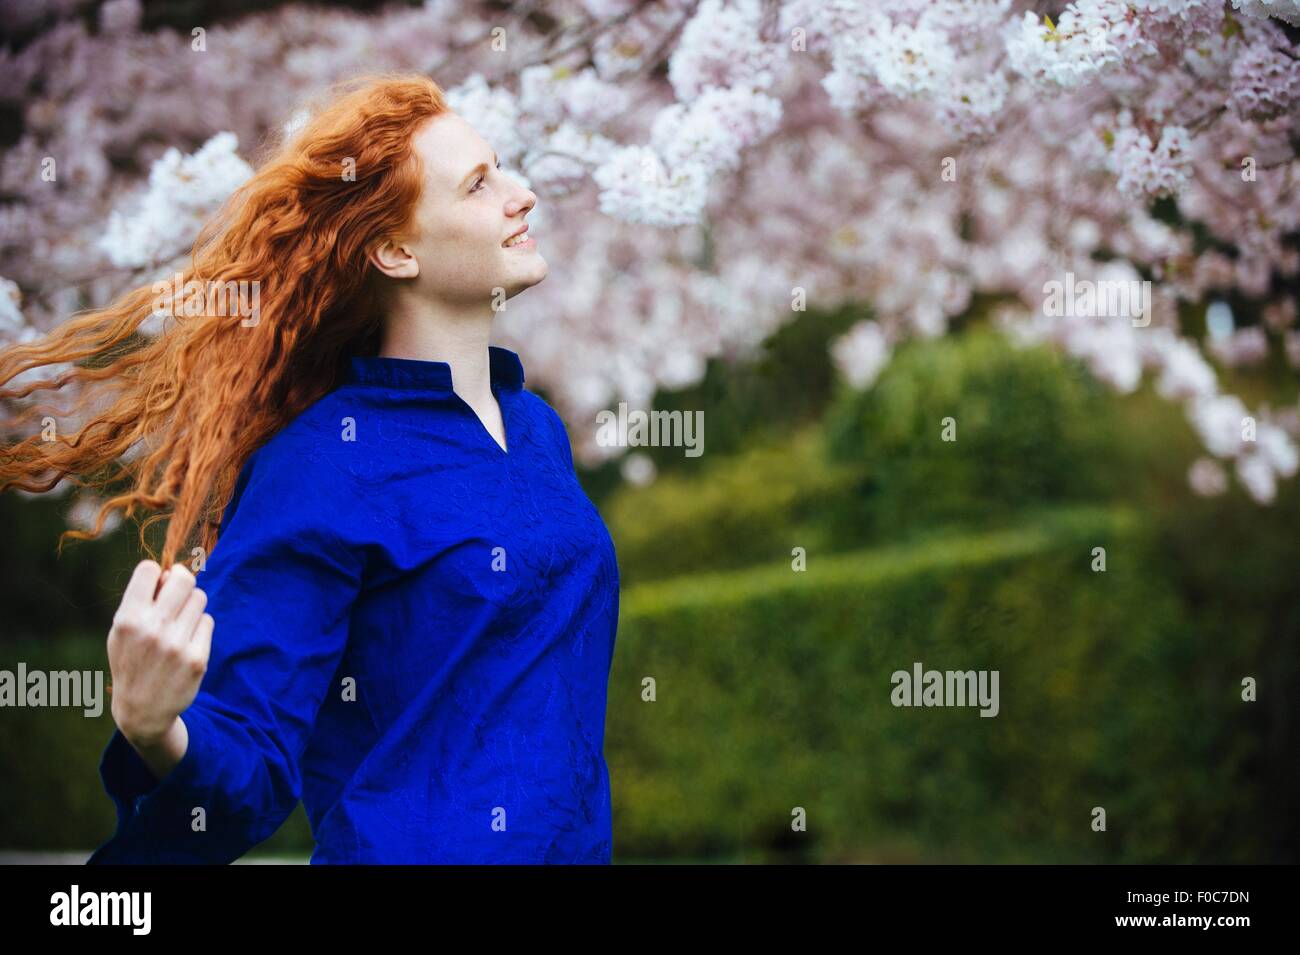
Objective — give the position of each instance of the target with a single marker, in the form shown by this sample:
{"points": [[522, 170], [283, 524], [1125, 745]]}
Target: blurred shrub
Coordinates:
{"points": [[1234, 563], [749, 508], [45, 594], [773, 692], [52, 796], [1030, 427], [782, 385], [1119, 689]]}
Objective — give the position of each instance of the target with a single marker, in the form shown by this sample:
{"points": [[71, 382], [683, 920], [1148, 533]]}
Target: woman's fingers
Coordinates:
{"points": [[158, 649], [144, 584], [203, 637], [174, 593], [190, 613]]}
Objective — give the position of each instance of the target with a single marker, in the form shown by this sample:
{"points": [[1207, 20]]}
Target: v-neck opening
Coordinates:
{"points": [[504, 452]]}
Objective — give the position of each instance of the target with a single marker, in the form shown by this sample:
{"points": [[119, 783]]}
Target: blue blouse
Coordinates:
{"points": [[414, 632]]}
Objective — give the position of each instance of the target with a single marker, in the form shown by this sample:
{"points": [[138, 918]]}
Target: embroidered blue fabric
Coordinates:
{"points": [[414, 632]]}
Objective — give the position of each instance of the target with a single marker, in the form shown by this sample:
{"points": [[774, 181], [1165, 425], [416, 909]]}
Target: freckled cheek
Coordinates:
{"points": [[459, 256], [465, 239], [446, 248]]}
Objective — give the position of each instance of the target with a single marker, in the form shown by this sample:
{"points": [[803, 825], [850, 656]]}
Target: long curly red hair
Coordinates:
{"points": [[202, 395]]}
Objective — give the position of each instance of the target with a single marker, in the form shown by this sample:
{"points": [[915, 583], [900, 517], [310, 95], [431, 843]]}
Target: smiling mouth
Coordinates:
{"points": [[523, 240]]}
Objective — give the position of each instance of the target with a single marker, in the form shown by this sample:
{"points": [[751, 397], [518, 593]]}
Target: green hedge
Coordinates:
{"points": [[773, 691], [1030, 427], [745, 509], [1118, 689], [1032, 430]]}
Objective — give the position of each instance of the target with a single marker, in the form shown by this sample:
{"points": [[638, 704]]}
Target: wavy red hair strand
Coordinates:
{"points": [[192, 402]]}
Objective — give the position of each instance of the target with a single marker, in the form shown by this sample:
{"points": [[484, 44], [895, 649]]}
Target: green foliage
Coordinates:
{"points": [[757, 400], [52, 797], [749, 508], [1119, 689], [1032, 430], [1030, 427], [44, 593], [773, 692]]}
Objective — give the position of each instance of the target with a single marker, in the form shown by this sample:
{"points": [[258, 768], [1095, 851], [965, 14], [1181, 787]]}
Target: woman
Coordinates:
{"points": [[404, 606]]}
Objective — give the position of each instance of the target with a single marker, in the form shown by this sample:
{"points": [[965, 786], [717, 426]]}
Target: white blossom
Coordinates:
{"points": [[1145, 171], [715, 128], [636, 186], [1277, 448], [183, 192], [1207, 478], [1255, 474], [11, 315], [494, 114], [861, 353], [1219, 420], [1288, 10], [1245, 346], [1073, 51], [638, 468], [1185, 373], [720, 46]]}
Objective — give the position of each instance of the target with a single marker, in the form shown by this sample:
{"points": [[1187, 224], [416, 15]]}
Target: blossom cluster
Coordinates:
{"points": [[704, 165]]}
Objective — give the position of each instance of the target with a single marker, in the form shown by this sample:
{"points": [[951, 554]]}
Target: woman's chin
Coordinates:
{"points": [[538, 271], [526, 279]]}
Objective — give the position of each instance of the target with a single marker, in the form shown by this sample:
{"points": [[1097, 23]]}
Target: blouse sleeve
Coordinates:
{"points": [[280, 582]]}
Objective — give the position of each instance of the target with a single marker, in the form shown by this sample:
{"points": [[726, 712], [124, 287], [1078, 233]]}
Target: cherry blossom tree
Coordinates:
{"points": [[709, 169]]}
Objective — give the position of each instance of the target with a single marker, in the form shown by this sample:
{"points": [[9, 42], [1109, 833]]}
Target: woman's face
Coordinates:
{"points": [[468, 211]]}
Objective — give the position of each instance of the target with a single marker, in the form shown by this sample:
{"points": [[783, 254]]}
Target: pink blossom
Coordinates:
{"points": [[1207, 478]]}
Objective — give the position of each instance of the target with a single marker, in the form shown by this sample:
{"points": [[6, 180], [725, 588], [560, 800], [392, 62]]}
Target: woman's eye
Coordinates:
{"points": [[479, 181]]}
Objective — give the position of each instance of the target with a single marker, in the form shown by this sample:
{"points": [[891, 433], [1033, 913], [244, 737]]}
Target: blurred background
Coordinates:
{"points": [[829, 300]]}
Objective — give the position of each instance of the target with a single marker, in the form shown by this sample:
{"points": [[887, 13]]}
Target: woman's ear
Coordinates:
{"points": [[395, 260]]}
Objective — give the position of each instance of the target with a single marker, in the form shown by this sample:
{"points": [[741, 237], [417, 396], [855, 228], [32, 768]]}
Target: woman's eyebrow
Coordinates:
{"points": [[481, 167]]}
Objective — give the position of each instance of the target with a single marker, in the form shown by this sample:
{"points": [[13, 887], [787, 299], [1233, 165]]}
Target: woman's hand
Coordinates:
{"points": [[157, 652]]}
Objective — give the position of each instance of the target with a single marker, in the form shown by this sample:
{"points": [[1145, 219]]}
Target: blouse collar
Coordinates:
{"points": [[412, 373]]}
